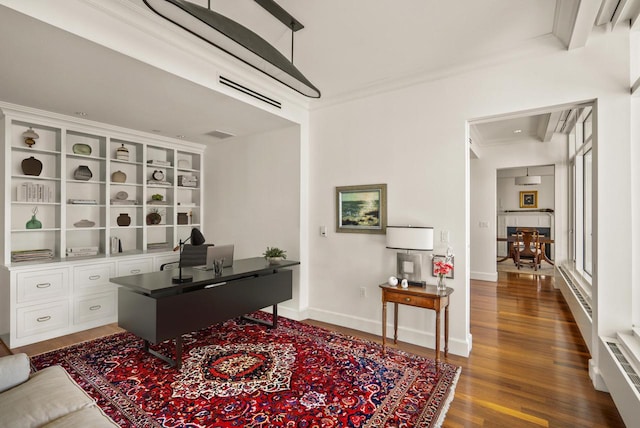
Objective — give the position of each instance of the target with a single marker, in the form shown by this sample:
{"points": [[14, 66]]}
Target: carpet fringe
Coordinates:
{"points": [[447, 403]]}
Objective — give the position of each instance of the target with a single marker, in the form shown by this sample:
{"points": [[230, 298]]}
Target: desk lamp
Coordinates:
{"points": [[409, 239], [196, 238]]}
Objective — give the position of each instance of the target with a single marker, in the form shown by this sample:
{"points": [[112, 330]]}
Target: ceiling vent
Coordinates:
{"points": [[255, 94], [220, 134]]}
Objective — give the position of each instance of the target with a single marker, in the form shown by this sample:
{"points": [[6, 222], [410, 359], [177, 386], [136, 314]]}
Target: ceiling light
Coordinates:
{"points": [[81, 113], [180, 136], [528, 180], [236, 40], [517, 131]]}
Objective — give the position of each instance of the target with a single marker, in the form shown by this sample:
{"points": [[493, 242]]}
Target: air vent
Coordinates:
{"points": [[628, 368], [250, 92], [567, 278], [220, 134]]}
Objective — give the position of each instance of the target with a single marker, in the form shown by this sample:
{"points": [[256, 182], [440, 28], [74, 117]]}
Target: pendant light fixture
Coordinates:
{"points": [[528, 180], [236, 40]]}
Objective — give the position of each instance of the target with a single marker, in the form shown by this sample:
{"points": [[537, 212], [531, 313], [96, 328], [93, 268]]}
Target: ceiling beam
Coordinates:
{"points": [[547, 126], [584, 22]]}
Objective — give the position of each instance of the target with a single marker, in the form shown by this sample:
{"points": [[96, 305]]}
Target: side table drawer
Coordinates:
{"points": [[42, 318], [135, 267], [34, 286], [94, 307], [420, 301], [91, 278]]}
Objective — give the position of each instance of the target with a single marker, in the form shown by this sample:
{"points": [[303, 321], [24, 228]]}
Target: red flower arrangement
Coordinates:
{"points": [[442, 267]]}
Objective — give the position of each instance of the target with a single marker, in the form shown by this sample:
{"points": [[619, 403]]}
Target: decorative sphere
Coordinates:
{"points": [[393, 281], [405, 283]]}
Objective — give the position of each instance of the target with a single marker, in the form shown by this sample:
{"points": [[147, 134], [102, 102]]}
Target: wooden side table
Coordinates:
{"points": [[422, 297]]}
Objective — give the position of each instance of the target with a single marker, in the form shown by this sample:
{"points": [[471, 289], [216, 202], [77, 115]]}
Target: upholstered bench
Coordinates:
{"points": [[47, 398]]}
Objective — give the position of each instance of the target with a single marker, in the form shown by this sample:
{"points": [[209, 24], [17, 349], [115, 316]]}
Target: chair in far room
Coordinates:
{"points": [[527, 250]]}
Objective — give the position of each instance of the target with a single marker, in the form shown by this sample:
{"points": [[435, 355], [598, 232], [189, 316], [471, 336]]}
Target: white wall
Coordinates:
{"points": [[415, 140], [252, 197], [485, 187]]}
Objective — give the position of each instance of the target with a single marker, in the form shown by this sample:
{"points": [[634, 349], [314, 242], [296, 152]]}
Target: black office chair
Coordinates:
{"points": [[192, 255]]}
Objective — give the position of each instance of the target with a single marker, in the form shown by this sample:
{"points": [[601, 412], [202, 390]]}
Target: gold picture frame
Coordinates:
{"points": [[361, 209], [529, 199]]}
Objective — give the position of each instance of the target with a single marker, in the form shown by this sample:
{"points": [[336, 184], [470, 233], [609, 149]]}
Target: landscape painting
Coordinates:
{"points": [[361, 209]]}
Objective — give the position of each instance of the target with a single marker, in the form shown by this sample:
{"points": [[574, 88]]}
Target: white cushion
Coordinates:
{"points": [[48, 395], [14, 370], [88, 417]]}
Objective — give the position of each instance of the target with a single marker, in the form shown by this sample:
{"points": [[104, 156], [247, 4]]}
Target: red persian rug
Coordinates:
{"points": [[239, 374]]}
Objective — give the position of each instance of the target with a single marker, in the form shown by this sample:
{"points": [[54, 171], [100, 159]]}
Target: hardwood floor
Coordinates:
{"points": [[528, 366]]}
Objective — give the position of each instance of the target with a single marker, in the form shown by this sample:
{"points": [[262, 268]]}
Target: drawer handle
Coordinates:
{"points": [[43, 285], [135, 271], [407, 299], [43, 319], [94, 277], [94, 307]]}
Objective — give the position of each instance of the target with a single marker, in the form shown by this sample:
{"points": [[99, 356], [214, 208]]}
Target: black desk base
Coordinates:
{"points": [[167, 316], [177, 363]]}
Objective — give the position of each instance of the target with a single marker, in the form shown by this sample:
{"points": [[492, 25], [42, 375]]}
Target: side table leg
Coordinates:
{"points": [[437, 336], [395, 323], [446, 331], [384, 325]]}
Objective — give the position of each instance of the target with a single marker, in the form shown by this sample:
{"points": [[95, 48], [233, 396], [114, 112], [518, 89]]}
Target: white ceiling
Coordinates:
{"points": [[346, 46]]}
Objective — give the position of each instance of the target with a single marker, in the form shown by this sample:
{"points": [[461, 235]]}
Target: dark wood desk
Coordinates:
{"points": [[155, 309], [511, 239], [423, 297]]}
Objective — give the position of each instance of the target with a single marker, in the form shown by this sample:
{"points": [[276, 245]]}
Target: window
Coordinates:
{"points": [[581, 194]]}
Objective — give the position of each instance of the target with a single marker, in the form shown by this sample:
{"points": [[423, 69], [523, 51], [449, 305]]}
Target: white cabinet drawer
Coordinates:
{"points": [[93, 278], [42, 318], [134, 267], [94, 307], [39, 285]]}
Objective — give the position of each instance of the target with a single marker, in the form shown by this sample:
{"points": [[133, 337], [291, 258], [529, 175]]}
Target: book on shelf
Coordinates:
{"points": [[34, 192], [31, 255], [123, 202], [158, 183], [82, 254], [158, 162], [81, 249], [157, 245], [83, 201]]}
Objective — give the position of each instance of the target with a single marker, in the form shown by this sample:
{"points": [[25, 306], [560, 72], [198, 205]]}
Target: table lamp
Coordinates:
{"points": [[196, 238], [409, 239]]}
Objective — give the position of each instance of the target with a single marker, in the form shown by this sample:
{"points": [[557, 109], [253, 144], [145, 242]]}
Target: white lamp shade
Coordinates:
{"points": [[410, 238]]}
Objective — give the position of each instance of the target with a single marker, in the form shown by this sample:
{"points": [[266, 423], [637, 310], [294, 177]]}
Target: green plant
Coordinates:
{"points": [[272, 252], [157, 197]]}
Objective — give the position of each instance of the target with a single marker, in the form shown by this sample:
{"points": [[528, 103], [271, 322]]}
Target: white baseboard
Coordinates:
{"points": [[409, 335], [484, 276]]}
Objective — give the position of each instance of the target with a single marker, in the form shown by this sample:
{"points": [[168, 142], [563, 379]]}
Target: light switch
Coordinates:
{"points": [[323, 231]]}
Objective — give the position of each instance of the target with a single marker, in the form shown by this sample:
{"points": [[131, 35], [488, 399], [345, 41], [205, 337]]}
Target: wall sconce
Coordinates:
{"points": [[409, 239]]}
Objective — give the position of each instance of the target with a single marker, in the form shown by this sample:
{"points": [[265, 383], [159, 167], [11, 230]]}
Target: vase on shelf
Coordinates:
{"points": [[34, 223], [122, 153], [441, 283], [123, 219], [83, 173], [31, 166]]}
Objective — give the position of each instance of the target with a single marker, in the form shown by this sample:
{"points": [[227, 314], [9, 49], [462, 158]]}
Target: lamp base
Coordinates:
{"points": [[183, 279], [410, 268]]}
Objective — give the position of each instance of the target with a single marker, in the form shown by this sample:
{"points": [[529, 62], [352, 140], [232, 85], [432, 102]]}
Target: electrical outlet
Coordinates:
{"points": [[363, 292]]}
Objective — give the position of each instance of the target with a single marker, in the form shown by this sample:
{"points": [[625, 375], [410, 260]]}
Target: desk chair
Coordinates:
{"points": [[527, 249], [192, 255]]}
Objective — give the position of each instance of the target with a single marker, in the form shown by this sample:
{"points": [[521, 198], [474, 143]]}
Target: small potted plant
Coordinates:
{"points": [[274, 255]]}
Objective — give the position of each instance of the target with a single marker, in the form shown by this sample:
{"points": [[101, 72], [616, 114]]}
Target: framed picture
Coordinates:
{"points": [[361, 209], [437, 258], [529, 199]]}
